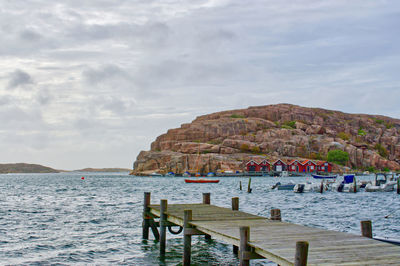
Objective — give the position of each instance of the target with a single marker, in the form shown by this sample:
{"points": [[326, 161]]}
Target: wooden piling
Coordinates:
{"points": [[354, 185], [276, 215], [163, 226], [187, 238], [398, 185], [240, 185], [249, 186], [244, 239], [300, 258], [366, 229], [206, 198], [235, 207], [321, 188], [146, 217]]}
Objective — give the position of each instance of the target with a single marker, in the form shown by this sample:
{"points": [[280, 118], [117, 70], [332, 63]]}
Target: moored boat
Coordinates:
{"points": [[324, 176], [201, 180]]}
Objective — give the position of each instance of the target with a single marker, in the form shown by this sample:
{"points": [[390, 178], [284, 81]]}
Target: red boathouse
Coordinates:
{"points": [[265, 166], [309, 166], [252, 166], [279, 166], [324, 166]]}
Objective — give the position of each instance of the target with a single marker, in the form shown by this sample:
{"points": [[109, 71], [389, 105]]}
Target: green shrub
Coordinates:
{"points": [[244, 147], [291, 124], [385, 169], [256, 149], [343, 136], [361, 132], [370, 169], [338, 156], [379, 121], [381, 150], [237, 116], [389, 125], [286, 127]]}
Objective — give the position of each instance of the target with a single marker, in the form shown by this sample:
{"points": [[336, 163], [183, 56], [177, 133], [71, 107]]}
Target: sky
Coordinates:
{"points": [[92, 83]]}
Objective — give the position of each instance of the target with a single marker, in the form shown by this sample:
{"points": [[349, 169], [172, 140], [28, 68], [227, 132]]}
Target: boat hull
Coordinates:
{"points": [[201, 180], [324, 176]]}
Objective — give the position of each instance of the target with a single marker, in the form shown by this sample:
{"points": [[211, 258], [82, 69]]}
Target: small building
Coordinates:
{"points": [[252, 166], [265, 166], [309, 166], [295, 166], [324, 166], [279, 166]]}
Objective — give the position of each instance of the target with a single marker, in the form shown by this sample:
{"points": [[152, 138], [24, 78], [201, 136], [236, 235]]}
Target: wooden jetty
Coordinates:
{"points": [[256, 237]]}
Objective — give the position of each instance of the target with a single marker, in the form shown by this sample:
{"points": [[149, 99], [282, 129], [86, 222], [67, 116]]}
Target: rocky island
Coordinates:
{"points": [[226, 141]]}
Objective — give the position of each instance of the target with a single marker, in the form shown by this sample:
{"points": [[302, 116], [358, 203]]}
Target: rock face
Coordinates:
{"points": [[227, 140]]}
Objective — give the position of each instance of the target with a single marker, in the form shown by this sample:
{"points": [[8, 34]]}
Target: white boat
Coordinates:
{"points": [[155, 174], [380, 184], [347, 185], [310, 187]]}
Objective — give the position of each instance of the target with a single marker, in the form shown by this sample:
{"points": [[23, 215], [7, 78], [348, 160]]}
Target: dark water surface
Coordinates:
{"points": [[61, 219]]}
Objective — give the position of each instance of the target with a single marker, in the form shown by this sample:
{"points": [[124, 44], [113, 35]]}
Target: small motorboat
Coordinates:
{"points": [[380, 184], [310, 187], [155, 174], [324, 176], [201, 180], [347, 185], [288, 186]]}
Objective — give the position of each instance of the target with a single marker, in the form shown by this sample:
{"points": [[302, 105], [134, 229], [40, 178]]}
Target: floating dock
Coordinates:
{"points": [[257, 237]]}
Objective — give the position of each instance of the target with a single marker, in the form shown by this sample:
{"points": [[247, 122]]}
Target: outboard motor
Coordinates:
{"points": [[340, 187], [276, 185], [301, 188]]}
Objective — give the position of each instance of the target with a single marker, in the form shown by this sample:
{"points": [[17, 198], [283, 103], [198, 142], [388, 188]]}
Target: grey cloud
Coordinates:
{"points": [[19, 78], [106, 72]]}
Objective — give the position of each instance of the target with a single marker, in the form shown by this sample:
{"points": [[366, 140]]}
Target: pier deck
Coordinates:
{"points": [[276, 240]]}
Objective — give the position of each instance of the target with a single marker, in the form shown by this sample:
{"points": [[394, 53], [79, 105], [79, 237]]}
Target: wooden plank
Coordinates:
{"points": [[276, 240]]}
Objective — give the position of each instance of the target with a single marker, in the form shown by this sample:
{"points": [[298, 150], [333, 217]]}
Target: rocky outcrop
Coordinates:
{"points": [[227, 140]]}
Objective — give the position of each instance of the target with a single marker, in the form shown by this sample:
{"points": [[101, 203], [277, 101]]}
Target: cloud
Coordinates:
{"points": [[19, 78]]}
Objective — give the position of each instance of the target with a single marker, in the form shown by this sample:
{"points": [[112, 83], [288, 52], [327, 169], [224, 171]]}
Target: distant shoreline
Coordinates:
{"points": [[26, 168]]}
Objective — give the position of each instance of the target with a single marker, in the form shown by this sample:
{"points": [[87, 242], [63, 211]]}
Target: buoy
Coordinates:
{"points": [[82, 177]]}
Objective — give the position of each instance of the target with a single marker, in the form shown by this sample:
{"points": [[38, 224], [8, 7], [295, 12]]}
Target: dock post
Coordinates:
{"points": [[366, 228], [276, 215], [354, 185], [187, 238], [163, 227], [235, 207], [300, 258], [146, 218], [249, 186], [207, 200], [240, 185], [398, 185], [321, 188], [244, 239]]}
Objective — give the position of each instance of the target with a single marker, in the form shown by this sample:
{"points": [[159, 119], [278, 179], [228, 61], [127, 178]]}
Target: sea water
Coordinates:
{"points": [[64, 219]]}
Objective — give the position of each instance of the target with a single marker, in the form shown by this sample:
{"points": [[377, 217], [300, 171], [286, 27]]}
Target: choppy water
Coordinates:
{"points": [[61, 219]]}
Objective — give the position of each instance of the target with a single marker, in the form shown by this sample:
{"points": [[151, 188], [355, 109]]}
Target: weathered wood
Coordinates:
{"points": [[249, 186], [300, 258], [276, 215], [240, 185], [321, 188], [398, 185], [154, 229], [276, 240], [235, 207], [244, 239], [163, 226], [206, 198], [187, 238], [366, 229], [146, 210], [235, 204], [354, 185]]}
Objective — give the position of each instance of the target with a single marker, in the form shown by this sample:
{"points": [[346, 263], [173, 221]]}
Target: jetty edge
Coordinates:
{"points": [[258, 237]]}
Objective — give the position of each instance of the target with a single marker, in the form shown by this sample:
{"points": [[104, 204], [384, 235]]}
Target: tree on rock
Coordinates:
{"points": [[338, 156]]}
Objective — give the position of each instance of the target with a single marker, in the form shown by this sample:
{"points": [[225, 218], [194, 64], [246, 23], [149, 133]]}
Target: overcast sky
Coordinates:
{"points": [[91, 83]]}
